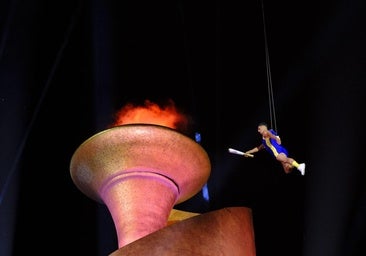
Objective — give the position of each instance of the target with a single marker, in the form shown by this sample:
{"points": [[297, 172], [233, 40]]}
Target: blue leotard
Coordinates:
{"points": [[272, 146]]}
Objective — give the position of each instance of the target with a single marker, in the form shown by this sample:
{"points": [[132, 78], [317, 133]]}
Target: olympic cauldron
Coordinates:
{"points": [[140, 171]]}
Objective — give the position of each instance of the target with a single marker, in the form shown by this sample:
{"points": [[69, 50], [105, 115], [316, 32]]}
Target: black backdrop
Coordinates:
{"points": [[67, 66]]}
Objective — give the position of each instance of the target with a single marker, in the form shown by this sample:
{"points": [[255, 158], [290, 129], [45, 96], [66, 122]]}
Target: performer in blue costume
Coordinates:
{"points": [[272, 143]]}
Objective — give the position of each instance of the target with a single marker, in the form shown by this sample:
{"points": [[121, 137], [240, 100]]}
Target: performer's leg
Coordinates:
{"points": [[287, 167], [292, 162]]}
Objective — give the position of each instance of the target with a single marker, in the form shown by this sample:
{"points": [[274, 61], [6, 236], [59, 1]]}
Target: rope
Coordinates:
{"points": [[272, 110], [73, 21]]}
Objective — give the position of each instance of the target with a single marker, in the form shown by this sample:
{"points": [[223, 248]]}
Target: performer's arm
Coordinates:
{"points": [[255, 150]]}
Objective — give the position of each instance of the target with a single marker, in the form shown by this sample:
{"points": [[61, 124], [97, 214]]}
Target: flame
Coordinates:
{"points": [[152, 113]]}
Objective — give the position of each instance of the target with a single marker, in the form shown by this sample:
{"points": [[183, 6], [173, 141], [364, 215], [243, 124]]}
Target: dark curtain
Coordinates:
{"points": [[67, 66]]}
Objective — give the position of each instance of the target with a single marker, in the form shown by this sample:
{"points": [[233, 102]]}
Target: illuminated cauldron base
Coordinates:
{"points": [[139, 171]]}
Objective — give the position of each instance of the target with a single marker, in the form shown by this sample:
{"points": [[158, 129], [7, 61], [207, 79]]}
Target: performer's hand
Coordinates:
{"points": [[278, 140]]}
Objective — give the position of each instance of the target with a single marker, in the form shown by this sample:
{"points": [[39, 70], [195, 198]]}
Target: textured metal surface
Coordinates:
{"points": [[140, 171], [138, 146]]}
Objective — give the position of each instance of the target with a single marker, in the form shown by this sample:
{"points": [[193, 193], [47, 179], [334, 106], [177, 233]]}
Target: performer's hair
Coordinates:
{"points": [[263, 123]]}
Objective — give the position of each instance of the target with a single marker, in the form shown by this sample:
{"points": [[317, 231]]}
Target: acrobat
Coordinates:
{"points": [[272, 143]]}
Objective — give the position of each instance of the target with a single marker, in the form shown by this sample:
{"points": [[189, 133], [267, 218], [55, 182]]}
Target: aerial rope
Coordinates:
{"points": [[272, 109], [73, 20], [271, 104]]}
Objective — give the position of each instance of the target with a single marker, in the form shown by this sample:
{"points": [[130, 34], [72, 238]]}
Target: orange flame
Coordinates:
{"points": [[152, 113]]}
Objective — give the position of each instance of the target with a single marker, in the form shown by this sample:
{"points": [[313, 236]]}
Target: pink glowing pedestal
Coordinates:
{"points": [[139, 171]]}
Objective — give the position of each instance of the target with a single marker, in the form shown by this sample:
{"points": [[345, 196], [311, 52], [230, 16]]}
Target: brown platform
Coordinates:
{"points": [[228, 231]]}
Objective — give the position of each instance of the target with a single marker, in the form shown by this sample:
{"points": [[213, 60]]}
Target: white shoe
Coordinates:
{"points": [[301, 168]]}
